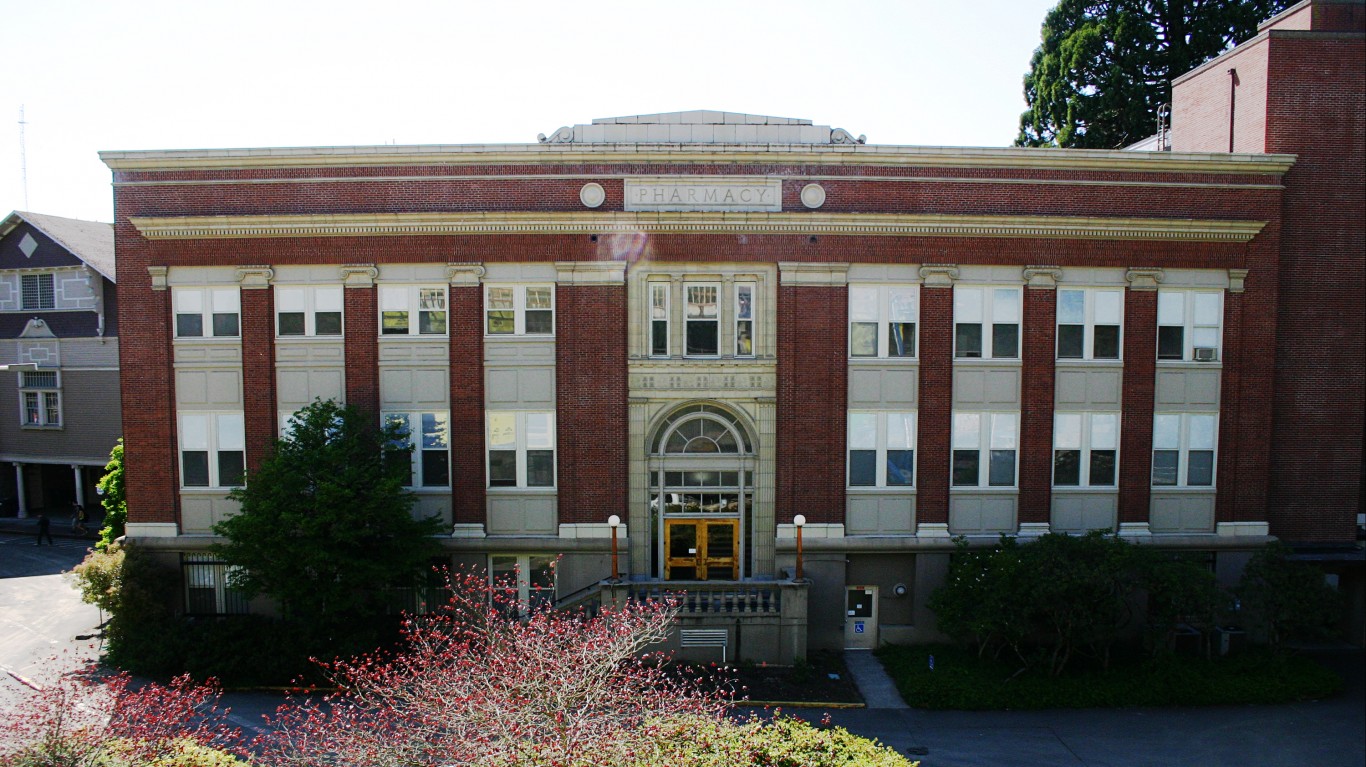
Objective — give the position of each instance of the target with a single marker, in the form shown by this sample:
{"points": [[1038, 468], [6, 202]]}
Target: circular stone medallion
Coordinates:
{"points": [[813, 195], [592, 195]]}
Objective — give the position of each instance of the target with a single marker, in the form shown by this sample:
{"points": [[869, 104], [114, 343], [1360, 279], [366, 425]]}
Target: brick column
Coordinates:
{"points": [[362, 338], [258, 363], [813, 383], [151, 456], [1136, 420], [934, 461], [1037, 394], [591, 410], [466, 328]]}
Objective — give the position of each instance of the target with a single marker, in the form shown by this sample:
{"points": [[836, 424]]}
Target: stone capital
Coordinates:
{"points": [[590, 272], [1236, 280], [464, 275], [158, 274], [804, 273], [359, 275], [255, 277], [1144, 278], [939, 275], [1042, 277]]}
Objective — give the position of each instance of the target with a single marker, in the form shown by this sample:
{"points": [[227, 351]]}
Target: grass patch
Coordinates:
{"points": [[962, 681]]}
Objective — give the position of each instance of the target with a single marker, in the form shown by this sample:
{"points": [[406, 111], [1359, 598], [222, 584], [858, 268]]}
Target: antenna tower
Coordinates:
{"points": [[23, 155]]}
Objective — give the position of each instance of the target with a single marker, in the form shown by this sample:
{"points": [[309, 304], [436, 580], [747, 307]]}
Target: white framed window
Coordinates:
{"points": [[522, 310], [308, 310], [1085, 449], [1090, 323], [744, 319], [202, 312], [40, 398], [883, 320], [1190, 325], [37, 291], [521, 449], [412, 310], [701, 319], [524, 580], [984, 449], [213, 449], [659, 318], [986, 323], [1184, 447], [882, 449], [430, 436]]}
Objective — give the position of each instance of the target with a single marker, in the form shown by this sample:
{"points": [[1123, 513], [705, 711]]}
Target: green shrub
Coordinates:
{"points": [[782, 742], [1285, 600], [962, 681]]}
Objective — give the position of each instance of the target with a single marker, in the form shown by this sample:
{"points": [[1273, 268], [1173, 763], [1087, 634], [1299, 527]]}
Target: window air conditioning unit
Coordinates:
{"points": [[1206, 354]]}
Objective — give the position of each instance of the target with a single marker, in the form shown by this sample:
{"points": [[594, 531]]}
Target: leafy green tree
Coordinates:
{"points": [[326, 523], [1104, 67], [112, 499]]}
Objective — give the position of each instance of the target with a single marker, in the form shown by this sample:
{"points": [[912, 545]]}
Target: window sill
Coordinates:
{"points": [[883, 360], [1184, 489], [524, 337], [402, 338], [983, 361], [214, 490], [314, 339], [42, 427], [211, 340], [954, 489], [521, 490], [879, 490], [1105, 363], [1191, 364], [1087, 489]]}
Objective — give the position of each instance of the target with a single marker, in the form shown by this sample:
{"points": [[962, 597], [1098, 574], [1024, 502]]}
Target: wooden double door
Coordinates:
{"points": [[701, 549]]}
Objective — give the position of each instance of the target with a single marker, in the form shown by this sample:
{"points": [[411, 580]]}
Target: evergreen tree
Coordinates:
{"points": [[326, 523], [1105, 67]]}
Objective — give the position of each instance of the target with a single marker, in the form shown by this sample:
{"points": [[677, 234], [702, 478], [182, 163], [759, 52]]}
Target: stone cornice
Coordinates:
{"points": [[707, 154], [862, 224]]}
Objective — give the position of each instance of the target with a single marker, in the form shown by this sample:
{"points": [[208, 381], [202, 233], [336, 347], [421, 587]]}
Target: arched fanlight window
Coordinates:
{"points": [[700, 430]]}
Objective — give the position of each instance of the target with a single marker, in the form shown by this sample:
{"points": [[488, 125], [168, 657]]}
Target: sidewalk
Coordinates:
{"points": [[60, 526]]}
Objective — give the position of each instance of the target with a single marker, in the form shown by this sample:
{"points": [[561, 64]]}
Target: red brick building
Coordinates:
{"points": [[710, 323]]}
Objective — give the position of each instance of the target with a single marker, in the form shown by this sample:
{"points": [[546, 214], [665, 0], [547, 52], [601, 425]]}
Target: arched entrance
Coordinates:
{"points": [[701, 469]]}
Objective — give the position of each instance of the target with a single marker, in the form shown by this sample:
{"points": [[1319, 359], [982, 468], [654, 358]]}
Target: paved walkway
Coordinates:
{"points": [[878, 689]]}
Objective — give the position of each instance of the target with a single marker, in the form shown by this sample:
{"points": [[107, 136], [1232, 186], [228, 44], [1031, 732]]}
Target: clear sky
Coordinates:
{"points": [[93, 75]]}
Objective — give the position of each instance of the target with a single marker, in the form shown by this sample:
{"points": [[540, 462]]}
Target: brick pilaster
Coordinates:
{"points": [[151, 456], [590, 402], [813, 383], [1226, 480], [466, 328], [935, 459], [1037, 394], [258, 371], [1136, 421], [362, 348]]}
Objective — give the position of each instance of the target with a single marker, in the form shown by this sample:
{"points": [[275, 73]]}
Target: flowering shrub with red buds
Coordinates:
{"points": [[88, 720], [485, 680]]}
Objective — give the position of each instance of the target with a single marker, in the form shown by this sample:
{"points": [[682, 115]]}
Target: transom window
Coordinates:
{"points": [[38, 291], [702, 324], [1089, 323], [523, 310], [40, 398], [986, 323], [412, 310], [201, 312], [882, 320]]}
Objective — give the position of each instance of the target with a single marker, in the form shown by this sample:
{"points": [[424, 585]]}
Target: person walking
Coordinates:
{"points": [[77, 518], [45, 529]]}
